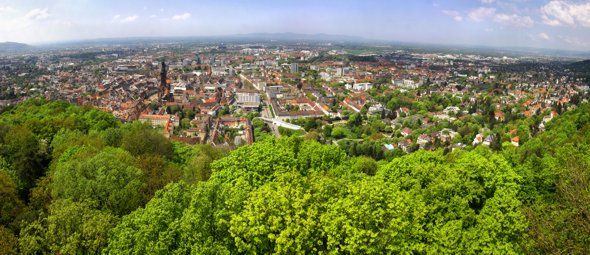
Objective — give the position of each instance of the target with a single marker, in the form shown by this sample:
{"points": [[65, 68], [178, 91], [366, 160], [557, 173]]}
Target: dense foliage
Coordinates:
{"points": [[76, 181]]}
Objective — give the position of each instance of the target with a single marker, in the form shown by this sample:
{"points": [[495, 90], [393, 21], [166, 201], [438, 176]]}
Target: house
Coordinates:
{"points": [[375, 109], [405, 145], [478, 139], [423, 140], [549, 117], [446, 134], [403, 110], [488, 140], [159, 121], [362, 86], [499, 116], [406, 132], [458, 146], [451, 109], [515, 141]]}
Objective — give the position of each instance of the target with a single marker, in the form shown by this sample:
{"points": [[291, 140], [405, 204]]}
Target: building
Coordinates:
{"points": [[159, 121], [406, 132], [515, 141], [248, 100], [294, 67], [165, 91]]}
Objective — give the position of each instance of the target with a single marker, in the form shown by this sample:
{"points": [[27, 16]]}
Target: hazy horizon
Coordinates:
{"points": [[515, 23]]}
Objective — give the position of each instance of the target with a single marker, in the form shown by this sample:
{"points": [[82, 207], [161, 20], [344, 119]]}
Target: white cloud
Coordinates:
{"points": [[544, 36], [7, 9], [183, 16], [118, 18], [455, 14], [153, 16], [488, 1], [558, 13], [481, 13], [575, 41], [129, 19], [37, 14], [514, 20]]}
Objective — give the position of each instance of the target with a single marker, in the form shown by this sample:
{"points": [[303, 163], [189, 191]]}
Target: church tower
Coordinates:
{"points": [[165, 93]]}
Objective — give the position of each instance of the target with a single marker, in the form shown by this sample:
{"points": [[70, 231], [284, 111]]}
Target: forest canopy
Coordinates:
{"points": [[74, 180]]}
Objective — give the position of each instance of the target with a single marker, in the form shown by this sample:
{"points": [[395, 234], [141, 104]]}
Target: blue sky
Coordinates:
{"points": [[563, 24]]}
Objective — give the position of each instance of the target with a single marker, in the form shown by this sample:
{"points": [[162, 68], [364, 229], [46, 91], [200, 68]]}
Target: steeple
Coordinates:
{"points": [[164, 83]]}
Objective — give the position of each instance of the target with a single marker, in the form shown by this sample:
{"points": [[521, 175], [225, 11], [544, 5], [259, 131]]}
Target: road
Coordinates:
{"points": [[267, 114], [265, 110]]}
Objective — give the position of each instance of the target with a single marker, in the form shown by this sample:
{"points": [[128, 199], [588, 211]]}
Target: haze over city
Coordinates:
{"points": [[499, 23]]}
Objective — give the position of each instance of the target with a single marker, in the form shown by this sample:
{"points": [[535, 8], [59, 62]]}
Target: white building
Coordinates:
{"points": [[248, 99], [362, 86]]}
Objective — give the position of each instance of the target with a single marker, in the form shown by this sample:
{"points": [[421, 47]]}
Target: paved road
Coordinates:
{"points": [[266, 114], [265, 110]]}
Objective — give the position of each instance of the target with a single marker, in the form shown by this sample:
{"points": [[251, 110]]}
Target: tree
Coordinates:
{"points": [[8, 242], [365, 165], [374, 218], [21, 148], [157, 172], [151, 230], [10, 204], [109, 178], [140, 139], [315, 157], [355, 120], [339, 132], [77, 228], [198, 166], [285, 216]]}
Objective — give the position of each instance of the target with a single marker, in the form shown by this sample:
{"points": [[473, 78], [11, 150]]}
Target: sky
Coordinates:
{"points": [[555, 24]]}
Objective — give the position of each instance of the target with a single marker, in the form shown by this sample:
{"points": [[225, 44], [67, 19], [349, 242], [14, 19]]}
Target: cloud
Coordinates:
{"points": [[488, 1], [7, 9], [564, 13], [183, 16], [544, 36], [481, 13], [575, 41], [455, 14], [129, 19], [118, 18], [514, 20], [37, 14]]}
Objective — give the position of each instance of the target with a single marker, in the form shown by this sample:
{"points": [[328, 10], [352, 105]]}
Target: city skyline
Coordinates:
{"points": [[497, 23]]}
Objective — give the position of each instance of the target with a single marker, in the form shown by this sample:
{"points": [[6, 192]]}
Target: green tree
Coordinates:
{"points": [[10, 204], [109, 178], [355, 120], [198, 166], [77, 228], [8, 242], [140, 139], [151, 230], [374, 218]]}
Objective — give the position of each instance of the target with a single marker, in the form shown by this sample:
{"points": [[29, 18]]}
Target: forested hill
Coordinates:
{"points": [[76, 181], [581, 69]]}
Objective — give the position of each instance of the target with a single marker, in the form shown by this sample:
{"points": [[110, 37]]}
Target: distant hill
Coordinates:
{"points": [[13, 47], [581, 68], [298, 37]]}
